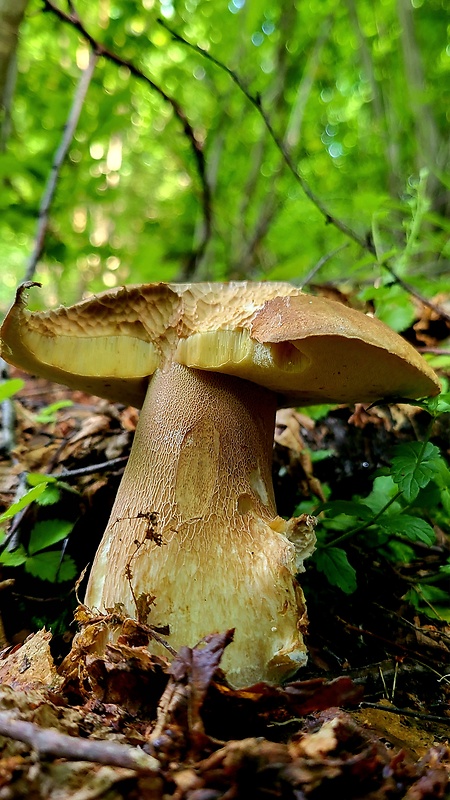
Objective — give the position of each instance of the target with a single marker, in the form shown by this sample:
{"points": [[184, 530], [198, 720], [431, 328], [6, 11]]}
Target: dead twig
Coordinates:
{"points": [[72, 18], [50, 742], [405, 713], [60, 156], [435, 351], [92, 468]]}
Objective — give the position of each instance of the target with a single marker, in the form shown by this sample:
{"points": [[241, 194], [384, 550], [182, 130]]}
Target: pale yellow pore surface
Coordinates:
{"points": [[201, 462], [110, 343]]}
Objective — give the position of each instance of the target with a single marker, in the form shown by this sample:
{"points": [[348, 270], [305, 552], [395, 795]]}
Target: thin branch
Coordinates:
{"points": [[255, 100], [49, 742], [411, 290], [321, 262], [92, 468], [58, 161], [74, 20], [435, 351]]}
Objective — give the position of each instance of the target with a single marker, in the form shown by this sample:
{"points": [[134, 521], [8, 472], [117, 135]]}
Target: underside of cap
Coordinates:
{"points": [[306, 349], [109, 344], [314, 350]]}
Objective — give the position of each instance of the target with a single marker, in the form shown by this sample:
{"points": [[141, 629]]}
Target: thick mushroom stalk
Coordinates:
{"points": [[200, 470], [194, 525]]}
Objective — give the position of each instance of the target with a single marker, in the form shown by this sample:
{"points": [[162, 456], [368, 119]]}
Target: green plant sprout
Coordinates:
{"points": [[50, 413]]}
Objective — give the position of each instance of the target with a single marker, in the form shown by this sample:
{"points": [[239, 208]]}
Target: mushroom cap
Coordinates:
{"points": [[306, 349]]}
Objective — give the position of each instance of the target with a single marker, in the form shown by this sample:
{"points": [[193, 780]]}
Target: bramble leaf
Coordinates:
{"points": [[49, 567], [13, 558], [412, 528], [49, 496], [413, 466], [48, 532], [333, 562]]}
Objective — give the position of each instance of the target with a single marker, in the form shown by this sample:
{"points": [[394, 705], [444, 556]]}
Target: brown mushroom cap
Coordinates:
{"points": [[306, 349]]}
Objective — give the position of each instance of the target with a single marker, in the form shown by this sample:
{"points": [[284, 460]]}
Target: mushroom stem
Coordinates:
{"points": [[195, 525]]}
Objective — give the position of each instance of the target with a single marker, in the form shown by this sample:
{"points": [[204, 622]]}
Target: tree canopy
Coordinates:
{"points": [[268, 140]]}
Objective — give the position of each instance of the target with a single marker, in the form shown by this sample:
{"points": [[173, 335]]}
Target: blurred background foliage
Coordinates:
{"points": [[357, 93]]}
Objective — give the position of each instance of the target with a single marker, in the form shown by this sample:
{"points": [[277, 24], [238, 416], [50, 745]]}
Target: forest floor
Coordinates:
{"points": [[367, 718]]}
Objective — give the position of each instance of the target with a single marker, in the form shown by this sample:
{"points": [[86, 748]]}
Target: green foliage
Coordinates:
{"points": [[413, 466], [333, 562], [430, 600], [50, 412], [359, 122], [29, 497], [48, 532], [391, 516], [37, 558], [10, 387]]}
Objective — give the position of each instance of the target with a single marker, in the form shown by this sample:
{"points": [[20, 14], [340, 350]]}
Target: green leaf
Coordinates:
{"points": [[49, 567], [333, 562], [67, 570], [413, 466], [434, 405], [393, 305], [10, 387], [49, 496], [48, 532], [13, 558], [28, 497], [340, 522], [431, 600], [50, 413], [383, 490], [398, 551], [412, 528], [320, 455], [348, 507], [36, 478], [317, 412], [445, 499]]}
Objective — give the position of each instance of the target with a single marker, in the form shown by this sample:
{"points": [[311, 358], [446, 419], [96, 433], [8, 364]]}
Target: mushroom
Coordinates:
{"points": [[194, 524]]}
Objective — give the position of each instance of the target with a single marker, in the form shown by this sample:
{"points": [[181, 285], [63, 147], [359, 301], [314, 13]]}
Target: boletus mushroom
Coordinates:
{"points": [[194, 524]]}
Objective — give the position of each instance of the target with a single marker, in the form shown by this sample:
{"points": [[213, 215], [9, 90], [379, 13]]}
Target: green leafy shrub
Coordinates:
{"points": [[38, 558], [392, 515]]}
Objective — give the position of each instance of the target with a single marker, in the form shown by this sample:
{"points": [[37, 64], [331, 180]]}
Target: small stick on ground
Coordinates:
{"points": [[49, 742]]}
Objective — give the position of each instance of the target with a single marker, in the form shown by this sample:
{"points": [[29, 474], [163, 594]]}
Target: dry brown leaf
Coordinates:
{"points": [[30, 663]]}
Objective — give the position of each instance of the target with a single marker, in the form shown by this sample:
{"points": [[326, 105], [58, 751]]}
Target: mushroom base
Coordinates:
{"points": [[194, 526]]}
